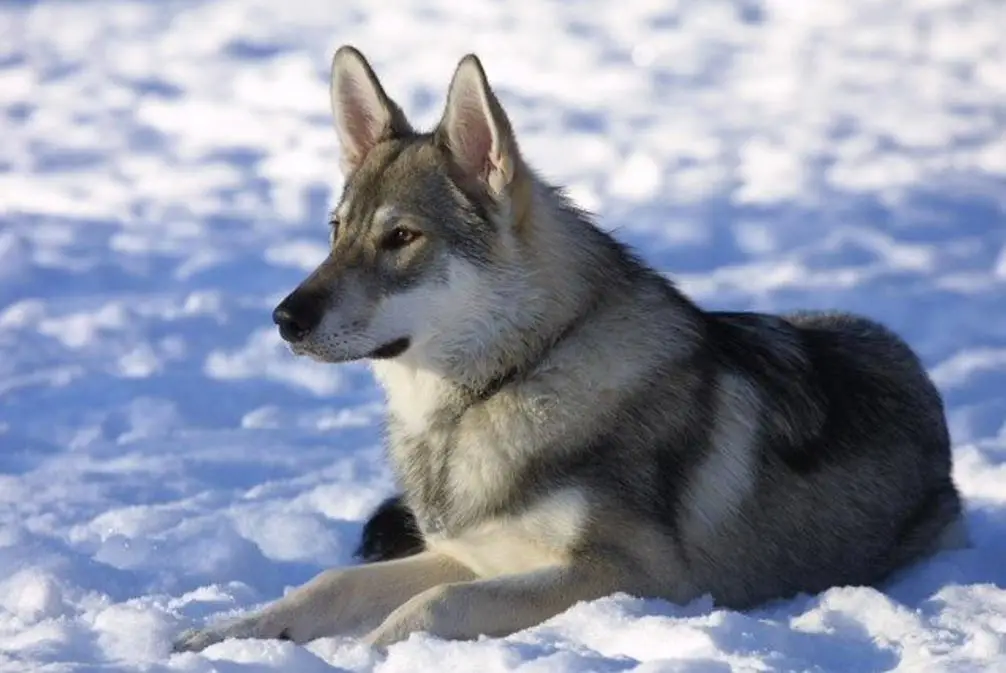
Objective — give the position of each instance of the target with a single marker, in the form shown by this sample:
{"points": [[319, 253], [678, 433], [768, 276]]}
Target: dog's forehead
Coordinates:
{"points": [[397, 178]]}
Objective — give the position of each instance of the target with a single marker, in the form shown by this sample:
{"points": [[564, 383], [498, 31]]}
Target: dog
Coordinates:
{"points": [[565, 424]]}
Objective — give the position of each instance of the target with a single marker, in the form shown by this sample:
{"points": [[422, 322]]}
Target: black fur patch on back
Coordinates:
{"points": [[772, 354], [833, 385]]}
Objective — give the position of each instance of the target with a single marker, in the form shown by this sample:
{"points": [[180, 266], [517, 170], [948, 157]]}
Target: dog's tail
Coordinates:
{"points": [[391, 532]]}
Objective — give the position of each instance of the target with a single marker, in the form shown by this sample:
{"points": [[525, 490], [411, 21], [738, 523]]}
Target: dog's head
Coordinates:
{"points": [[421, 235]]}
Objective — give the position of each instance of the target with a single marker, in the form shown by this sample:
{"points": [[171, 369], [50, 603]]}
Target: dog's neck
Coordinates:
{"points": [[527, 310]]}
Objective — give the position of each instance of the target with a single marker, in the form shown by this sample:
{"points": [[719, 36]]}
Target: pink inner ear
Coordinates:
{"points": [[358, 119], [472, 136]]}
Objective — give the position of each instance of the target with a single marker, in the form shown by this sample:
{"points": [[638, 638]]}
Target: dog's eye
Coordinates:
{"points": [[399, 237]]}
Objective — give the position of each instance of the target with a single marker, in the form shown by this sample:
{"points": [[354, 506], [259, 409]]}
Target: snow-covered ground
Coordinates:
{"points": [[165, 169]]}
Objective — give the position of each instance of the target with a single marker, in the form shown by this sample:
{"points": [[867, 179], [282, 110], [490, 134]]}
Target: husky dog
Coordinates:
{"points": [[565, 424]]}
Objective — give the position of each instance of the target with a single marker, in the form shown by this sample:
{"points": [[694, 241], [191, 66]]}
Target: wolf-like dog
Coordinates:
{"points": [[565, 424]]}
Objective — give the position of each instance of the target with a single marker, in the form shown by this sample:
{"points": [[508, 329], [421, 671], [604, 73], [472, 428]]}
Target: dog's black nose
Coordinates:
{"points": [[289, 328], [296, 318]]}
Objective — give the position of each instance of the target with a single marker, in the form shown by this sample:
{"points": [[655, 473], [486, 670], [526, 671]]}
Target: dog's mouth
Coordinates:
{"points": [[392, 349]]}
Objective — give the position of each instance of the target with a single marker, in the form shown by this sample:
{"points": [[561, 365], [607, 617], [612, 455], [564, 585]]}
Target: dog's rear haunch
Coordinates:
{"points": [[564, 423]]}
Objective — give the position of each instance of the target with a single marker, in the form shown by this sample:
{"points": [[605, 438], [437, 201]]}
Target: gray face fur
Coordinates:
{"points": [[391, 245]]}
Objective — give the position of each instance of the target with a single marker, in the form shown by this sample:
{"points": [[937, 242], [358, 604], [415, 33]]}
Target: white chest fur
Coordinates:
{"points": [[413, 394]]}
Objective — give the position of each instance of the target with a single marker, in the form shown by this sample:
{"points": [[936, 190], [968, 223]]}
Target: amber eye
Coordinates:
{"points": [[398, 238]]}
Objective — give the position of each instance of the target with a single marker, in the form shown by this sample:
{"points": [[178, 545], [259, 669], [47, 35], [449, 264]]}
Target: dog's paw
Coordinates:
{"points": [[197, 640], [431, 612], [259, 627]]}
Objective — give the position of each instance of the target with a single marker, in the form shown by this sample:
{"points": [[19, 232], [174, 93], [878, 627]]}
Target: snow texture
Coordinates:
{"points": [[165, 170]]}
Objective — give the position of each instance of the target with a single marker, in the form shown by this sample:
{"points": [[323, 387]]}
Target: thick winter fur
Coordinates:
{"points": [[565, 423]]}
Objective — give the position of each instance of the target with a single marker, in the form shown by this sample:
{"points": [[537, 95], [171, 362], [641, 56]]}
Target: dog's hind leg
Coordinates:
{"points": [[336, 601]]}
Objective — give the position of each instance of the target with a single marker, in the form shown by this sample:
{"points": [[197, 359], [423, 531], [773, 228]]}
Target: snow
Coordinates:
{"points": [[165, 172]]}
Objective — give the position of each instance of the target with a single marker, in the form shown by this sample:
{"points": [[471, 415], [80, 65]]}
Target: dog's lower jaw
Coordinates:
{"points": [[387, 351], [301, 351], [314, 356]]}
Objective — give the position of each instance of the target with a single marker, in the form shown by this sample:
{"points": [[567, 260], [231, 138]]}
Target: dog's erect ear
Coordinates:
{"points": [[364, 115], [475, 129]]}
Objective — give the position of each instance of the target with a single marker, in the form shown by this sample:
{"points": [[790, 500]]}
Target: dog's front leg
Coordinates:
{"points": [[495, 607], [336, 601]]}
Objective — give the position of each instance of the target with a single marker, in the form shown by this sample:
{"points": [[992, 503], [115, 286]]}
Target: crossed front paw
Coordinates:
{"points": [[430, 612], [197, 640]]}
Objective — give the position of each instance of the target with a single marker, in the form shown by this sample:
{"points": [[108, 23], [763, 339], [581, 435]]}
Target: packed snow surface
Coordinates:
{"points": [[165, 172]]}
